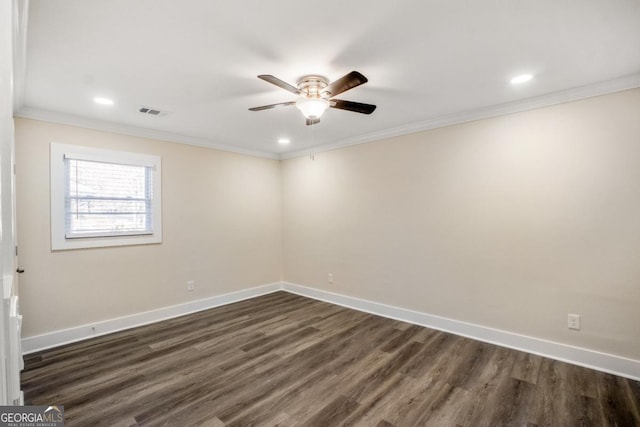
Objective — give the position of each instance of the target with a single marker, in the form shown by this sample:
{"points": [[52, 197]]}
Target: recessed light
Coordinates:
{"points": [[283, 141], [523, 78], [103, 101]]}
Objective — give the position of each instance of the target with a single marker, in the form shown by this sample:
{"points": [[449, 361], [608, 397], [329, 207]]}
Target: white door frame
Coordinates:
{"points": [[12, 24]]}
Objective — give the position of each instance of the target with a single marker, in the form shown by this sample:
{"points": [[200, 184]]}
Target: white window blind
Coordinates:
{"points": [[102, 198], [107, 199]]}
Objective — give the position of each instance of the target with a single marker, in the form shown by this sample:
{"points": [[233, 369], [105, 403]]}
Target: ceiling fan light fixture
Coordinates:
{"points": [[316, 94], [312, 108]]}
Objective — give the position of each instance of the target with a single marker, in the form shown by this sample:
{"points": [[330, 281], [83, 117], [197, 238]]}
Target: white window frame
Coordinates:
{"points": [[59, 241]]}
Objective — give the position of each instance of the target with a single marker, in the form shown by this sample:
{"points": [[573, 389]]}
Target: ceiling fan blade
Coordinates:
{"points": [[312, 122], [276, 81], [270, 106], [357, 107], [345, 83]]}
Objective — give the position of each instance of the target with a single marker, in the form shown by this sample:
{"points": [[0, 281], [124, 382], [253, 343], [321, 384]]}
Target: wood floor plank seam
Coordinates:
{"points": [[283, 359]]}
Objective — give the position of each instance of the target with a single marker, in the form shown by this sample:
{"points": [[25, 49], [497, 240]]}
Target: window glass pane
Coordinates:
{"points": [[107, 199]]}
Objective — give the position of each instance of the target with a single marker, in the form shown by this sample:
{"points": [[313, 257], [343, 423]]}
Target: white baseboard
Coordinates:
{"points": [[624, 367], [78, 333]]}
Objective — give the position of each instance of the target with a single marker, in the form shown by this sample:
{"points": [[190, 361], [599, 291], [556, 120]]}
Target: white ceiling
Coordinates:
{"points": [[428, 63]]}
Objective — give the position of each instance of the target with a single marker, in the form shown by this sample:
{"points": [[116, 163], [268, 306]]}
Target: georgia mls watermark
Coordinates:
{"points": [[31, 416]]}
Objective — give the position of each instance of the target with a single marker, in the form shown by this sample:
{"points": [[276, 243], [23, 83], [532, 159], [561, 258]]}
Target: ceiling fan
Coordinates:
{"points": [[316, 95]]}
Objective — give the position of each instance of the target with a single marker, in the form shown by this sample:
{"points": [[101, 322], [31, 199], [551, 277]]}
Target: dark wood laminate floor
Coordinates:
{"points": [[282, 359]]}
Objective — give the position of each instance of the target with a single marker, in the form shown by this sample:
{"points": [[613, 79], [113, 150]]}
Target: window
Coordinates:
{"points": [[103, 198]]}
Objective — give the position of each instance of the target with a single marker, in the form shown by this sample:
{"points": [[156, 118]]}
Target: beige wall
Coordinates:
{"points": [[510, 222], [221, 228]]}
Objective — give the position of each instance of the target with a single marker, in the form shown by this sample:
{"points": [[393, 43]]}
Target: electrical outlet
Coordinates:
{"points": [[330, 278], [190, 285], [573, 321]]}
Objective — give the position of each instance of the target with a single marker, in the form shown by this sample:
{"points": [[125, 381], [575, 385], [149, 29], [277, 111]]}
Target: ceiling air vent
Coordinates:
{"points": [[152, 111]]}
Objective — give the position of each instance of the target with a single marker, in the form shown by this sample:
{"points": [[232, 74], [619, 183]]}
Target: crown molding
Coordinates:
{"points": [[102, 125], [602, 88], [574, 94]]}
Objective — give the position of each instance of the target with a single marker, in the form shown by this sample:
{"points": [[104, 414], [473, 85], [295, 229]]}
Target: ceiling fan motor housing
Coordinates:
{"points": [[312, 86]]}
